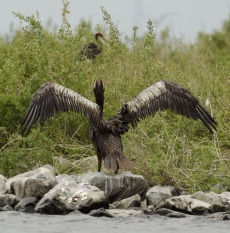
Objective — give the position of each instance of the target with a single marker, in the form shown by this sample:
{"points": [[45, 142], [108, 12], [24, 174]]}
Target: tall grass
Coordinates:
{"points": [[165, 148]]}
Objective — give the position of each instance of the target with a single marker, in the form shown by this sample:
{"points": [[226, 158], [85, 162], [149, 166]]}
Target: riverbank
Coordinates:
{"points": [[105, 195]]}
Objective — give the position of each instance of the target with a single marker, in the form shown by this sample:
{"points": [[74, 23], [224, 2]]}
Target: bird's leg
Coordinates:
{"points": [[116, 171], [99, 160]]}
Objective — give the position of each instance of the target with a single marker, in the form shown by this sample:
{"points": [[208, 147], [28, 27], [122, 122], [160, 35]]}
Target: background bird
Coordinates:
{"points": [[53, 98], [91, 50]]}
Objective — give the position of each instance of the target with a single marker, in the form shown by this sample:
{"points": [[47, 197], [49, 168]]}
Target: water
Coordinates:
{"points": [[18, 222]]}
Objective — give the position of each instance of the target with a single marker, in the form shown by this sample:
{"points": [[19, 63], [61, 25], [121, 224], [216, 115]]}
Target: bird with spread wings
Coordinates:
{"points": [[52, 98]]}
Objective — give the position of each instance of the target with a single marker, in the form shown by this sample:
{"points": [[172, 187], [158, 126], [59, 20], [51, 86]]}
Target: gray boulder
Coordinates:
{"points": [[116, 186], [218, 187], [60, 177], [134, 201], [145, 208], [186, 204], [126, 213], [2, 183], [203, 197], [6, 208], [34, 183], [8, 199], [112, 213], [219, 202], [220, 216], [157, 194], [169, 213], [26, 204], [102, 212], [225, 195], [69, 196], [200, 208]]}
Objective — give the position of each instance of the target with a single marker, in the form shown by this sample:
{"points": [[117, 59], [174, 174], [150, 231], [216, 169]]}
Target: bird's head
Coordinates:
{"points": [[99, 90], [99, 35], [99, 87]]}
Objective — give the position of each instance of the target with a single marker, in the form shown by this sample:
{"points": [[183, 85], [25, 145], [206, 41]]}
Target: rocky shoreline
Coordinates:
{"points": [[105, 194]]}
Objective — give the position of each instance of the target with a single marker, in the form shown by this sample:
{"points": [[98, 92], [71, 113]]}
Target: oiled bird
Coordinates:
{"points": [[53, 98], [91, 50]]}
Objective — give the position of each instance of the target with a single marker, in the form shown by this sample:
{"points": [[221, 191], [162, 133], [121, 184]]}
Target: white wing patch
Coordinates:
{"points": [[144, 97]]}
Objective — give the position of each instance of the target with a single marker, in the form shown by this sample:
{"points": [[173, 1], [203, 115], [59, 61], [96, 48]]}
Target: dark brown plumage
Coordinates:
{"points": [[91, 50], [53, 98]]}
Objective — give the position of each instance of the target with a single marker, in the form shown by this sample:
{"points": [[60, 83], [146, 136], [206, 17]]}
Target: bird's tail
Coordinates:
{"points": [[117, 162]]}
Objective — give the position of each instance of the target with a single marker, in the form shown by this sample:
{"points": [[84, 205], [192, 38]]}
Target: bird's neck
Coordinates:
{"points": [[99, 43], [100, 100]]}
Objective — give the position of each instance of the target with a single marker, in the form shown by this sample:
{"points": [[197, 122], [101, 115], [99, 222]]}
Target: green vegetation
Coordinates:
{"points": [[165, 149]]}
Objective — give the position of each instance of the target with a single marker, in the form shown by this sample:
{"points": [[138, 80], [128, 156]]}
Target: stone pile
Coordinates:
{"points": [[104, 194]]}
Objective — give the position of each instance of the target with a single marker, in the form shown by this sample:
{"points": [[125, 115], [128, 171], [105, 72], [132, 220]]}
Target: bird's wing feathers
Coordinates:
{"points": [[53, 98], [160, 96]]}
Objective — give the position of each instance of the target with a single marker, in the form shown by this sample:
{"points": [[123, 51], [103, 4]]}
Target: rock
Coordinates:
{"points": [[33, 183], [219, 202], [111, 206], [127, 213], [225, 194], [186, 204], [212, 194], [218, 187], [76, 213], [155, 199], [2, 183], [202, 197], [200, 208], [183, 192], [26, 204], [145, 209], [220, 216], [69, 195], [151, 207], [100, 213], [134, 201], [163, 211], [6, 208], [8, 199], [116, 186], [61, 176], [176, 215], [158, 193], [169, 213]]}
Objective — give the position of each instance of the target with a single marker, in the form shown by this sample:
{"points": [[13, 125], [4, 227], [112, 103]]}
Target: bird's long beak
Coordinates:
{"points": [[104, 39]]}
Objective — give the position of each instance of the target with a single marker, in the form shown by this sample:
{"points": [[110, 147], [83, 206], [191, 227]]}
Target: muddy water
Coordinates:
{"points": [[16, 222]]}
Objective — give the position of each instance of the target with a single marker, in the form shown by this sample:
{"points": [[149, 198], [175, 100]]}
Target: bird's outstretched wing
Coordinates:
{"points": [[53, 98], [160, 96]]}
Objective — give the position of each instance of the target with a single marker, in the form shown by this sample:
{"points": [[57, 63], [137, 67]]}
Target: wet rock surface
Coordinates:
{"points": [[27, 205], [169, 213], [2, 183], [157, 194], [105, 195], [69, 195], [34, 183], [134, 201], [8, 199], [116, 186]]}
